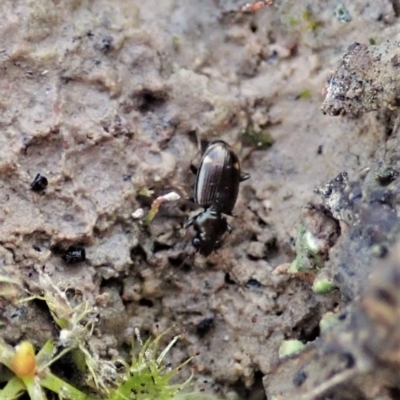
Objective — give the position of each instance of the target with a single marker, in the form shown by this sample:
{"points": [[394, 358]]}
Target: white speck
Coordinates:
{"points": [[313, 243], [172, 196], [139, 213]]}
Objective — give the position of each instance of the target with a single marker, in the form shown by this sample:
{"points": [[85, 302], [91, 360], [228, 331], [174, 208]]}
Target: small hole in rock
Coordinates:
{"points": [[299, 378], [348, 360], [192, 135], [385, 296], [160, 247], [180, 262], [342, 316], [228, 279], [146, 303], [253, 27], [309, 336], [138, 253], [148, 100]]}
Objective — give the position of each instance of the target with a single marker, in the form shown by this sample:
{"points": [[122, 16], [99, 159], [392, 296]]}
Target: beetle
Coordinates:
{"points": [[74, 255], [216, 190], [39, 183]]}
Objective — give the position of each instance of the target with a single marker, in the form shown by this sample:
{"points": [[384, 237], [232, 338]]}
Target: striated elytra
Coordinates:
{"points": [[216, 190], [218, 178]]}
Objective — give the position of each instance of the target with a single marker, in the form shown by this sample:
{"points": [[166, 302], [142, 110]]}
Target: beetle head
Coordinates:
{"points": [[210, 226]]}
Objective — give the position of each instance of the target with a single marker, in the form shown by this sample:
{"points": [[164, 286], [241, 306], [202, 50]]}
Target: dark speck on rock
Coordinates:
{"points": [[39, 183], [348, 359], [146, 303], [299, 378], [253, 284], [74, 255], [204, 326], [387, 176]]}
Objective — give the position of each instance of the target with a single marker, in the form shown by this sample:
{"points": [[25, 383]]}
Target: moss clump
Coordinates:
{"points": [[328, 320], [308, 257], [144, 377], [290, 347], [305, 94], [260, 140], [323, 286], [147, 378], [311, 23]]}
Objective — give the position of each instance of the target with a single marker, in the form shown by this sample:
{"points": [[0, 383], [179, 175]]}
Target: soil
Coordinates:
{"points": [[112, 101]]}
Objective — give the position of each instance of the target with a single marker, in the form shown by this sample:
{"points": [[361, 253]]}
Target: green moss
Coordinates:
{"points": [[328, 320], [323, 286], [305, 94], [307, 254], [290, 347], [145, 376], [311, 23], [293, 21], [260, 140], [379, 250], [176, 43], [146, 192]]}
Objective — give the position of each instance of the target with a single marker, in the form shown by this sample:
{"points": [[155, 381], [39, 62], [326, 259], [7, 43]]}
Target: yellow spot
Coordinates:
{"points": [[236, 166], [23, 362]]}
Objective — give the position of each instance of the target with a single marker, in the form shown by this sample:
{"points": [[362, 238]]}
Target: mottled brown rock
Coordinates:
{"points": [[365, 79]]}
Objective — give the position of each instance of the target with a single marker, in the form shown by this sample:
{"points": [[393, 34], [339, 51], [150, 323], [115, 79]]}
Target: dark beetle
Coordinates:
{"points": [[74, 255], [218, 178], [210, 226], [216, 190], [39, 183]]}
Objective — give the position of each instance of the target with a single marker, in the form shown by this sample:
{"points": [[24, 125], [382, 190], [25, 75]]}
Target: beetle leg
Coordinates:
{"points": [[244, 176], [190, 222]]}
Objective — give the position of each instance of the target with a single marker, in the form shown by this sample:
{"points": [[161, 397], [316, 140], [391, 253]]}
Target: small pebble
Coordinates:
{"points": [[138, 214]]}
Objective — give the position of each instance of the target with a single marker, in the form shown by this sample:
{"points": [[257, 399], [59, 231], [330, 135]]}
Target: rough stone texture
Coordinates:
{"points": [[365, 80], [358, 357]]}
